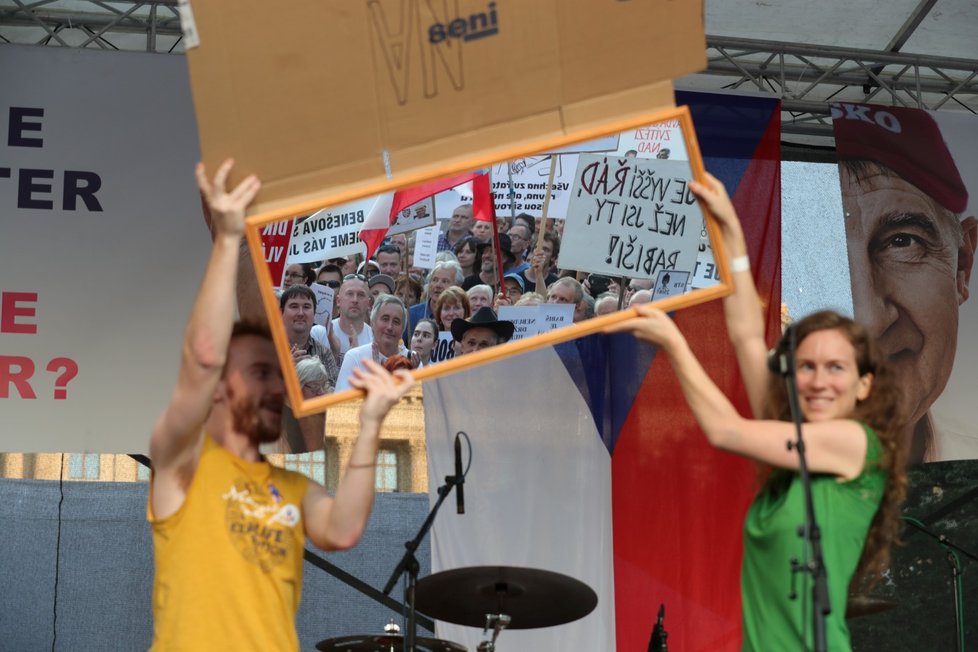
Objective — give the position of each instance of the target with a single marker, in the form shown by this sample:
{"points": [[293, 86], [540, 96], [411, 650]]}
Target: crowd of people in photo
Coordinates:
{"points": [[386, 308]]}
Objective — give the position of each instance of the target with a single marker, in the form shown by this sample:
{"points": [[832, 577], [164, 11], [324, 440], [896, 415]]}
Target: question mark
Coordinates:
{"points": [[61, 382]]}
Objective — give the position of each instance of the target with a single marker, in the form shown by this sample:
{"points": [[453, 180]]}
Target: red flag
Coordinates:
{"points": [[379, 221], [483, 206]]}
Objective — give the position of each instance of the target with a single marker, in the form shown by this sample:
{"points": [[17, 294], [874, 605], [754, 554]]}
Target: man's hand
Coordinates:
{"points": [[501, 300], [227, 210], [383, 389], [334, 342]]}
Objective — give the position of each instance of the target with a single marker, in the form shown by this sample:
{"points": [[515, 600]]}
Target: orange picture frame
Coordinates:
{"points": [[304, 407]]}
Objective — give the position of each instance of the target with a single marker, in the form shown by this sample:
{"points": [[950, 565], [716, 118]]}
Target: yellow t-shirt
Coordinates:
{"points": [[229, 561]]}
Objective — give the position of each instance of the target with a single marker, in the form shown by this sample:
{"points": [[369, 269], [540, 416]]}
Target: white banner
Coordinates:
{"points": [[102, 248], [329, 233]]}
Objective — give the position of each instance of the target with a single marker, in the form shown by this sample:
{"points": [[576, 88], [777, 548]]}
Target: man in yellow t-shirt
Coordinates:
{"points": [[229, 528]]}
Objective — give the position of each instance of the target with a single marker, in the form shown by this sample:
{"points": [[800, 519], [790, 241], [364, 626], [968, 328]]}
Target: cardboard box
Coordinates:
{"points": [[311, 95]]}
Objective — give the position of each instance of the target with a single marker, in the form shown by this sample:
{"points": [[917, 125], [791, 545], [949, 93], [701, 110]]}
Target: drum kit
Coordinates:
{"points": [[494, 598]]}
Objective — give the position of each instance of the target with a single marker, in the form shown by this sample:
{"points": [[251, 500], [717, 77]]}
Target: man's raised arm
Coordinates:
{"points": [[174, 442]]}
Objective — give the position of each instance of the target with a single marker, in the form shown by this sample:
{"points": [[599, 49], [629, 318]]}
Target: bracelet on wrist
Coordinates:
{"points": [[740, 264]]}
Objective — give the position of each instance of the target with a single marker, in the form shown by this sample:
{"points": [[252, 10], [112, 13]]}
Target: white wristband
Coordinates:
{"points": [[740, 264]]}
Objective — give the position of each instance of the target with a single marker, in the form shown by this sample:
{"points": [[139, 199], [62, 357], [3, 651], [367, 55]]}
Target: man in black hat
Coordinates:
{"points": [[480, 331]]}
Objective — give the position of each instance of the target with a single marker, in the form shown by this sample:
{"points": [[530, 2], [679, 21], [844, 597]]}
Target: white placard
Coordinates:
{"points": [[426, 247], [670, 283], [533, 320], [324, 303], [444, 348], [660, 141], [631, 217], [414, 217], [529, 180]]}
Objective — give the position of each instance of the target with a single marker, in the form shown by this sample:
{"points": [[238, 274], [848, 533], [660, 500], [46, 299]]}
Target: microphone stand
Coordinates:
{"points": [[821, 606], [955, 565], [409, 562]]}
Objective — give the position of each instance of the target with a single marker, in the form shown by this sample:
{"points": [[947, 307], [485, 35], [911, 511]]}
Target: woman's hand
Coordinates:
{"points": [[651, 325], [714, 195]]}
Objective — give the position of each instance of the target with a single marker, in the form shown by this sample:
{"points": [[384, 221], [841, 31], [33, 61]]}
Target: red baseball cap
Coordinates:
{"points": [[908, 141]]}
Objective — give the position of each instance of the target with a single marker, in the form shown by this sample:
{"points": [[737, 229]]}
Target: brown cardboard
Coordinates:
{"points": [[310, 94]]}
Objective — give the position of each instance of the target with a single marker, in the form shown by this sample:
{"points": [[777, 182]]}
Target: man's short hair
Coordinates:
{"points": [[330, 268], [244, 327], [387, 249], [570, 282], [294, 291], [247, 328], [381, 301], [526, 220]]}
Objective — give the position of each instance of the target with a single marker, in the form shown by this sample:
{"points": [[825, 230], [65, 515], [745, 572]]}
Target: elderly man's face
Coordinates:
{"points": [[910, 262], [561, 293], [478, 338], [461, 220], [388, 326]]}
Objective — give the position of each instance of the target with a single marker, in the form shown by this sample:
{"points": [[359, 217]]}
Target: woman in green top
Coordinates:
{"points": [[851, 408]]}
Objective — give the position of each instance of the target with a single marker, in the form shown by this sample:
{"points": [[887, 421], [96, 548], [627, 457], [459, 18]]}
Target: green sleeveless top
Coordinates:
{"points": [[844, 512]]}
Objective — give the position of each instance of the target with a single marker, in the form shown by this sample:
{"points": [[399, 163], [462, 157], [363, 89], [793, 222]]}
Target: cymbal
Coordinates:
{"points": [[385, 643], [530, 596], [866, 605]]}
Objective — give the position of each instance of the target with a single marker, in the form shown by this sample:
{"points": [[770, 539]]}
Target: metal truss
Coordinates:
{"points": [[807, 77], [804, 77], [140, 25]]}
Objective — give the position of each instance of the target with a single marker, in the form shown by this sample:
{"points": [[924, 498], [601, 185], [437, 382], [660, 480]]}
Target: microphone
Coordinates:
{"points": [[780, 359], [459, 478], [659, 635]]}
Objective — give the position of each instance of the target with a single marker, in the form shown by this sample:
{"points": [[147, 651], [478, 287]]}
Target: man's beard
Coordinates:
{"points": [[246, 417]]}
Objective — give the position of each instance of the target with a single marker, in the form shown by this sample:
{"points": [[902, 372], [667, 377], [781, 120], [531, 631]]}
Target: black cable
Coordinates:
{"points": [[57, 554], [468, 445]]}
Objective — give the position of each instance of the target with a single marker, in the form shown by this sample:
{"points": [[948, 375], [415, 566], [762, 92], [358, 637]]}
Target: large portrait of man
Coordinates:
{"points": [[911, 234]]}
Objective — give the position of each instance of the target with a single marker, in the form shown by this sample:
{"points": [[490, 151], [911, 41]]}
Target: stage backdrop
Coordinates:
{"points": [[911, 270], [587, 462], [101, 244]]}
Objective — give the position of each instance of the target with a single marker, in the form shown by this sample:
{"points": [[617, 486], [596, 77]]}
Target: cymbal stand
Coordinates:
{"points": [[409, 563], [498, 622]]}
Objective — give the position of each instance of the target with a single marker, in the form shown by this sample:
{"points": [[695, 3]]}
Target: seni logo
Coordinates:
{"points": [[476, 26]]}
